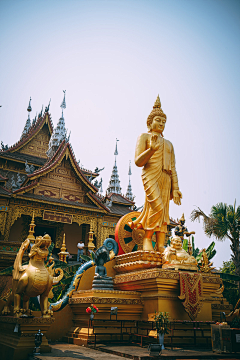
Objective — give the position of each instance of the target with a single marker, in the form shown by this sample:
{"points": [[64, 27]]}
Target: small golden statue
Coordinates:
{"points": [[175, 257], [33, 279], [159, 176], [205, 265]]}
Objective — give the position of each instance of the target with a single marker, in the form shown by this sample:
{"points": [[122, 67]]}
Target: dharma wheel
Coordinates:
{"points": [[129, 240]]}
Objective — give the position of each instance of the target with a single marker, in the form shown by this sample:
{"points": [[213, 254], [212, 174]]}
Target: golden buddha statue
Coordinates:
{"points": [[156, 156], [174, 256]]}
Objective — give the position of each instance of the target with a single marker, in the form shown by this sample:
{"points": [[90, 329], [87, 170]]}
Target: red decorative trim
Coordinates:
{"points": [[3, 178]]}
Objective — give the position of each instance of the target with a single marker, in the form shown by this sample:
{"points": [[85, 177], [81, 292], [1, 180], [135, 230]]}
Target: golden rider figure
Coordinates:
{"points": [[159, 176]]}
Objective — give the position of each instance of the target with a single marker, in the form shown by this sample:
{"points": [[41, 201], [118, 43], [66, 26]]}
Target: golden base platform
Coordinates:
{"points": [[129, 305], [160, 289], [17, 336], [180, 267], [138, 260]]}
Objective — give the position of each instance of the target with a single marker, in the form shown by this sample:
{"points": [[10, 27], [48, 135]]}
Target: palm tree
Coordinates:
{"points": [[223, 222]]}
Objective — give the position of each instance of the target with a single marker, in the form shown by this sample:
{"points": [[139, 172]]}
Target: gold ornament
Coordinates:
{"points": [[63, 253], [31, 237], [33, 279], [91, 245]]}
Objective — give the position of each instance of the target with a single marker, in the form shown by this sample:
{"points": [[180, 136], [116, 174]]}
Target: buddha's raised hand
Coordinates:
{"points": [[177, 195], [154, 142]]}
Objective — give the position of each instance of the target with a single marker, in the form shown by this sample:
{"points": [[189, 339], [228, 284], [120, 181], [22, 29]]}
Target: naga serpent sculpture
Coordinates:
{"points": [[112, 246]]}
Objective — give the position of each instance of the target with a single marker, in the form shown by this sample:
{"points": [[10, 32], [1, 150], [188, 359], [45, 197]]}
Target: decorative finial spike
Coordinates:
{"points": [[63, 104], [29, 109], [129, 171], [157, 103], [116, 150]]}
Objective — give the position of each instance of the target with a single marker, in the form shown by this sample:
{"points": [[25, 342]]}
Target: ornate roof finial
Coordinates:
{"points": [[129, 194], [28, 122], [47, 107], [63, 104], [129, 171], [157, 103], [114, 183], [29, 109], [116, 150], [59, 133]]}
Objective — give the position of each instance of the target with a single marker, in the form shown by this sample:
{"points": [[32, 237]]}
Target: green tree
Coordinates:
{"points": [[223, 223], [229, 278]]}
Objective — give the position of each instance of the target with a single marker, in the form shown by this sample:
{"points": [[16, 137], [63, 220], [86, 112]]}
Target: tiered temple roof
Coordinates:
{"points": [[47, 151]]}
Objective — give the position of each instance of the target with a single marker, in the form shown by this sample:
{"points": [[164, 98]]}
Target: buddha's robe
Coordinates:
{"points": [[159, 178]]}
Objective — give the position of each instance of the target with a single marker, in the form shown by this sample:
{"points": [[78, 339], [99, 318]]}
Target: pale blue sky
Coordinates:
{"points": [[113, 58]]}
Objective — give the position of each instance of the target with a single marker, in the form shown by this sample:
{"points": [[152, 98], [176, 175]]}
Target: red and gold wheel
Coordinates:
{"points": [[130, 240]]}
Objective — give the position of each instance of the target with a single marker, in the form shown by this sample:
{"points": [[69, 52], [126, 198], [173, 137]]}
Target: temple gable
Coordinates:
{"points": [[62, 183], [38, 145]]}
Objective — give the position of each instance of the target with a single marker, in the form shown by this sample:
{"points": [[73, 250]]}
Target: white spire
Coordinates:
{"points": [[63, 104], [129, 193], [114, 183], [116, 150], [59, 133], [28, 122]]}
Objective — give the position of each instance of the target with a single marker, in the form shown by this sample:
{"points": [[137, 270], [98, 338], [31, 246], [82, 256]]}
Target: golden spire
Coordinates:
{"points": [[157, 103], [91, 245], [63, 253], [63, 248], [31, 230]]}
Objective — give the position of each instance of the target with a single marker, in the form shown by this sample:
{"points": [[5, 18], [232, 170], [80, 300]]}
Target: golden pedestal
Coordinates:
{"points": [[138, 260], [187, 267], [129, 305], [160, 289], [17, 336]]}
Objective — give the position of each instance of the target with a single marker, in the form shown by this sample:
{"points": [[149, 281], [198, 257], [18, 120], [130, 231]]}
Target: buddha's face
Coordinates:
{"points": [[176, 243], [101, 261], [158, 124]]}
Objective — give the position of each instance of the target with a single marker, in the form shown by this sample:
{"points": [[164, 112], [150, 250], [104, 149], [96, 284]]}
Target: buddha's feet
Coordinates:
{"points": [[160, 249], [147, 244]]}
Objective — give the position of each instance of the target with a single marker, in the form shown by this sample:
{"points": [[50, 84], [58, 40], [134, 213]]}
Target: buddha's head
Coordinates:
{"points": [[156, 119], [176, 243]]}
